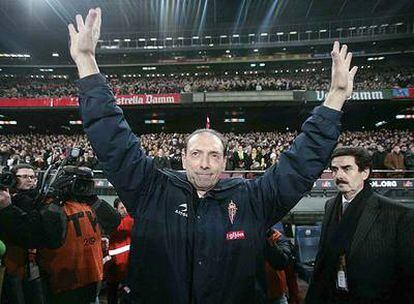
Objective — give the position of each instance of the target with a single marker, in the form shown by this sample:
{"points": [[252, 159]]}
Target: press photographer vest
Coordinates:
{"points": [[79, 261]]}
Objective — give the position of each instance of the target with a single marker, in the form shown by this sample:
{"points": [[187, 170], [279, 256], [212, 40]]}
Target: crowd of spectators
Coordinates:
{"points": [[391, 149], [295, 79]]}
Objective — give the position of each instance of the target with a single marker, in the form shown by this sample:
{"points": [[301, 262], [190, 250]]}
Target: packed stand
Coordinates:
{"points": [[295, 79], [248, 151]]}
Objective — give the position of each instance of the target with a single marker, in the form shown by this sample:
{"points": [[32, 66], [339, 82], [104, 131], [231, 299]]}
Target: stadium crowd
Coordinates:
{"points": [[248, 151], [299, 79]]}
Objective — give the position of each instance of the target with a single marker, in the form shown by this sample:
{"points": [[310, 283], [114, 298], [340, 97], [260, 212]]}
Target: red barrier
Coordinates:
{"points": [[67, 102]]}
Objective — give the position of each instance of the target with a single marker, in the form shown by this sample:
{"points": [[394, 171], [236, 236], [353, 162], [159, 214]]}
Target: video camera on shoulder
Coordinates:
{"points": [[69, 181], [7, 180]]}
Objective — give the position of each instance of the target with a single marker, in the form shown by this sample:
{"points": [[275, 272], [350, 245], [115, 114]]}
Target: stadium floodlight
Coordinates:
{"points": [[262, 64], [141, 39], [127, 40], [279, 33], [252, 65], [362, 27], [117, 40], [8, 122], [196, 37], [227, 51], [373, 26], [168, 38], [264, 34], [293, 33], [352, 28], [384, 25], [398, 23], [236, 35], [55, 55], [75, 122], [255, 50], [252, 35], [223, 36], [308, 32], [211, 44], [234, 120], [323, 31], [380, 123], [153, 39], [207, 37], [154, 121], [180, 38]]}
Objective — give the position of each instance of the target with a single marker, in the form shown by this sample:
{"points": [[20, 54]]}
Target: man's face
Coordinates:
{"points": [[396, 149], [204, 161], [26, 179], [122, 210], [348, 179]]}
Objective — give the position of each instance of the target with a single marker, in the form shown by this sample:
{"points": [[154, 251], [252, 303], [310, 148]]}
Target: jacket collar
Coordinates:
{"points": [[179, 178]]}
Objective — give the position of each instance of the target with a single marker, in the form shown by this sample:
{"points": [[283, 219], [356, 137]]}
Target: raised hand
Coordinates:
{"points": [[83, 41], [342, 81], [5, 199]]}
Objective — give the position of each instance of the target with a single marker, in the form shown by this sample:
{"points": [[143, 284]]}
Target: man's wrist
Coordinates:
{"points": [[335, 100], [87, 65], [5, 204]]}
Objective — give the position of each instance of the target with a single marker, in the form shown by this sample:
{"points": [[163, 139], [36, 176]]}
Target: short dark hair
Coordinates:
{"points": [[21, 166], [117, 201], [210, 131], [362, 157]]}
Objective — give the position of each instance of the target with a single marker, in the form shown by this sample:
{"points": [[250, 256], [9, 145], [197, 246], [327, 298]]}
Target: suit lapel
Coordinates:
{"points": [[330, 207], [329, 210], [368, 217]]}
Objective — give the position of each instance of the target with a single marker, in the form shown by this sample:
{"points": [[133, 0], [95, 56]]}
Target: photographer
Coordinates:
{"points": [[279, 259], [24, 224], [73, 272]]}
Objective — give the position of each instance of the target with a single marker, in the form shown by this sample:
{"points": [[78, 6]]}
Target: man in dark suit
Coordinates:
{"points": [[366, 251]]}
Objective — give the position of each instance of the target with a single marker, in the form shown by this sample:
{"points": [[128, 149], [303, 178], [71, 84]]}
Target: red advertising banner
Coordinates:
{"points": [[65, 102], [405, 93]]}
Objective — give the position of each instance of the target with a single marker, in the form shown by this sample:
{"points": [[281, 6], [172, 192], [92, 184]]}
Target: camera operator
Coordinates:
{"points": [[25, 224], [73, 272]]}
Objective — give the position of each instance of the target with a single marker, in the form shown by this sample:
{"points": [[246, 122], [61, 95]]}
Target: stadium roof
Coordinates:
{"points": [[41, 24]]}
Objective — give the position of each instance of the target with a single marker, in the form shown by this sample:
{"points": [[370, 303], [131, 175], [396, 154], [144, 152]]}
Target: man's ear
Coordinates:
{"points": [[184, 159], [366, 174], [224, 163]]}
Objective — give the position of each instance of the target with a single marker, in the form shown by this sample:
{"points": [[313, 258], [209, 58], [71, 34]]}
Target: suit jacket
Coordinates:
{"points": [[380, 264]]}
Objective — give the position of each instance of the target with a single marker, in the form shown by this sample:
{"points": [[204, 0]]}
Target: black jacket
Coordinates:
{"points": [[380, 265], [181, 253], [32, 225]]}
